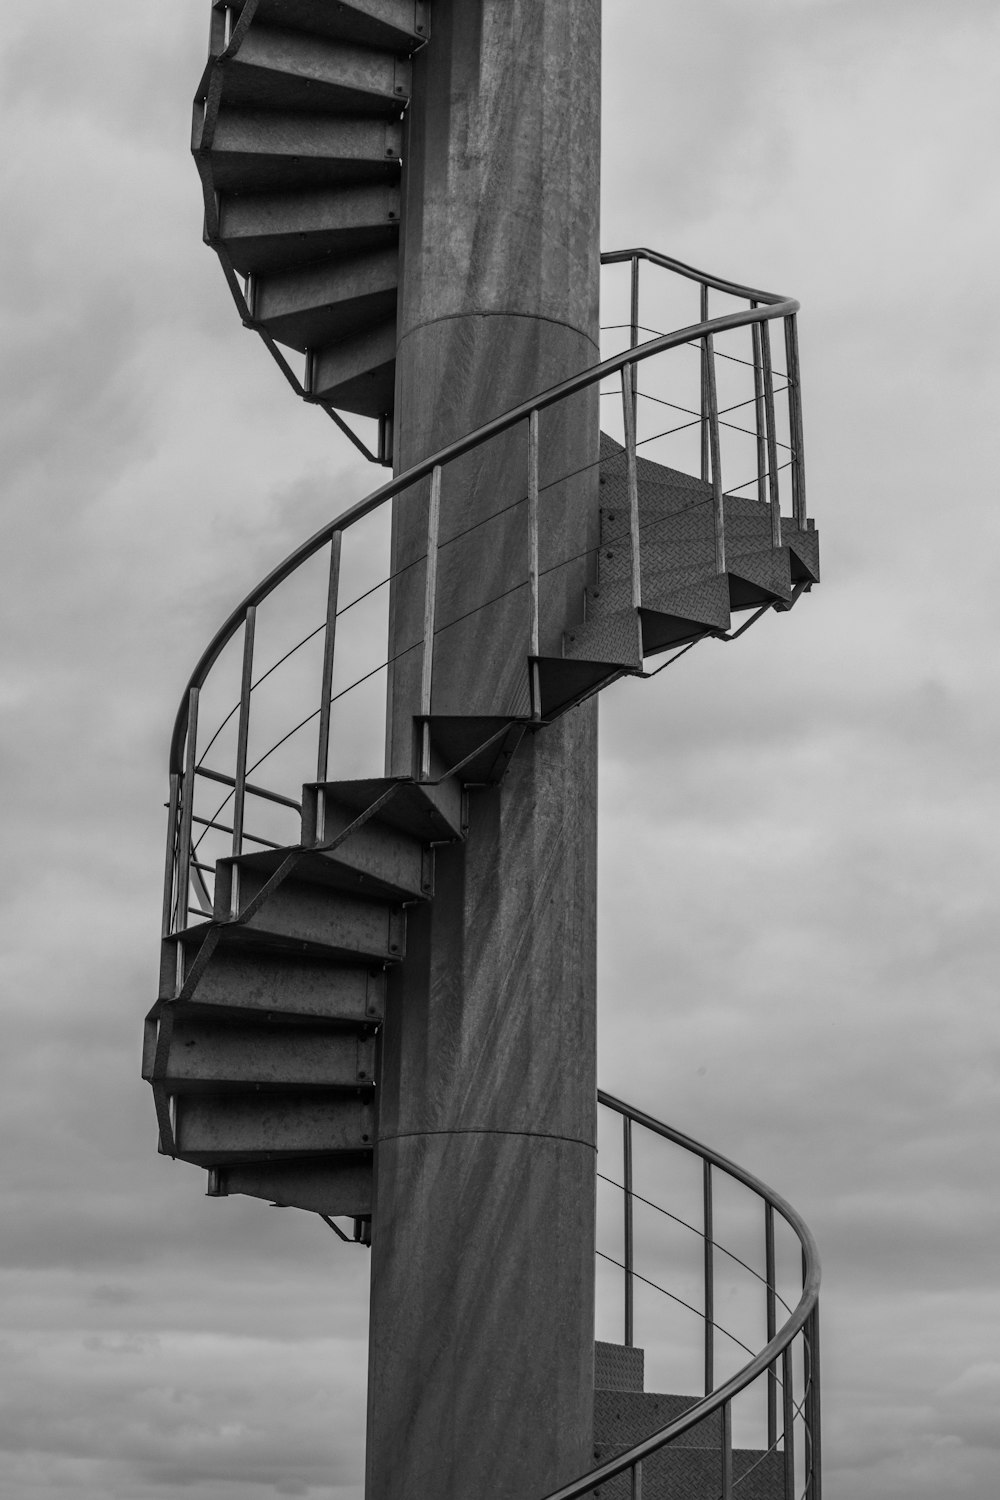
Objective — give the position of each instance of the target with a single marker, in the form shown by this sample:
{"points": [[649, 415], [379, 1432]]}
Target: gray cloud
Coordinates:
{"points": [[798, 878]]}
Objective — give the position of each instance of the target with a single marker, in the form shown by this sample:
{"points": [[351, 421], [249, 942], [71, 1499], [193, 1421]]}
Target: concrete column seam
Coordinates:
{"points": [[498, 313], [544, 1135]]}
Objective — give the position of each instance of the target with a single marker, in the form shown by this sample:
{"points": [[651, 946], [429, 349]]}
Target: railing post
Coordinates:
{"points": [[533, 646], [814, 1410], [629, 1254], [771, 435], [788, 1418], [709, 1250], [760, 428], [716, 456], [430, 601], [186, 812], [632, 478], [242, 740], [771, 1310], [726, 1415], [329, 648], [795, 421], [171, 856], [634, 323], [705, 442]]}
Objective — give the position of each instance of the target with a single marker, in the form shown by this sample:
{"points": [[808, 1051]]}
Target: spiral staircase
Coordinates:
{"points": [[263, 1047]]}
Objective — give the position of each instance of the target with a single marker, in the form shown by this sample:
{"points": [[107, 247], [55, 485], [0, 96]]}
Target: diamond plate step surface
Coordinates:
{"points": [[691, 1467]]}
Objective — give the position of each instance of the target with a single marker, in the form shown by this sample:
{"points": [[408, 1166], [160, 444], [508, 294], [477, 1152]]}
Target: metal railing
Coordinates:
{"points": [[788, 1366], [187, 886]]}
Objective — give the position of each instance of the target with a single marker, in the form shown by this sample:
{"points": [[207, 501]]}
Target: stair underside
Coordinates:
{"points": [[683, 597], [298, 139]]}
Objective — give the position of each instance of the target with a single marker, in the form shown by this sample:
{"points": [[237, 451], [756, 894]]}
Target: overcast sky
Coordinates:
{"points": [[798, 833]]}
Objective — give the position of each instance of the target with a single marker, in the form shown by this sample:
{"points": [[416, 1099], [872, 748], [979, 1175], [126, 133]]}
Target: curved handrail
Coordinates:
{"points": [[805, 1309], [681, 268], [592, 375]]}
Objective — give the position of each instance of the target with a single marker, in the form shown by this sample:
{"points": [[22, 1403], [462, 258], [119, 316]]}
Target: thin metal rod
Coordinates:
{"points": [[709, 1249], [187, 809], [771, 1311], [705, 449], [815, 1412], [716, 456], [760, 426], [243, 733], [788, 1418], [727, 1451], [795, 421], [637, 1481], [632, 478], [329, 647], [252, 790], [430, 602], [634, 324], [533, 528], [629, 1255], [770, 433], [170, 862], [251, 838]]}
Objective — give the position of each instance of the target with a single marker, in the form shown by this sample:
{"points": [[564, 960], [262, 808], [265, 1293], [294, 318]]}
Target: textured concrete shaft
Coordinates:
{"points": [[481, 1364]]}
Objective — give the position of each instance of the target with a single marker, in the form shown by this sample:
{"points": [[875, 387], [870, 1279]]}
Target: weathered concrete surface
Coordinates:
{"points": [[498, 299], [481, 1364], [483, 1252]]}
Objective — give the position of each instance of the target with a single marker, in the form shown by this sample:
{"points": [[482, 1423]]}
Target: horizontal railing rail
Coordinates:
{"points": [[801, 1325], [624, 367]]}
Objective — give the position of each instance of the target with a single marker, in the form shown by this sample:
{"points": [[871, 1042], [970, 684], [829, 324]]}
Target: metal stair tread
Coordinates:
{"points": [[313, 305], [281, 69], [232, 1056], [219, 1128], [313, 989], [433, 812], [389, 24], [357, 373], [611, 636], [275, 231], [348, 870], [260, 151], [333, 1185], [688, 1473]]}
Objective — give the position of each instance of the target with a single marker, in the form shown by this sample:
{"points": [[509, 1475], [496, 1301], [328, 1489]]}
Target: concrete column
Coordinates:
{"points": [[481, 1365]]}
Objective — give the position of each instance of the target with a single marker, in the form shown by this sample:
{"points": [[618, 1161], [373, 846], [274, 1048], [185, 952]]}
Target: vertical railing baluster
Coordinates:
{"points": [[795, 421], [632, 480], [629, 1251], [788, 1418], [637, 1481], [726, 1415], [705, 444], [709, 1250], [771, 1313], [171, 858], [815, 1410], [186, 813], [774, 487], [760, 428], [326, 681], [634, 324], [533, 647], [715, 454], [242, 740], [430, 602]]}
